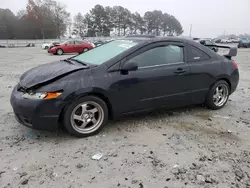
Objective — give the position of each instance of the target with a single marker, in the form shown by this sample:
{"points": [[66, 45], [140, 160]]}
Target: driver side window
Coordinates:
{"points": [[161, 55], [78, 42], [71, 42]]}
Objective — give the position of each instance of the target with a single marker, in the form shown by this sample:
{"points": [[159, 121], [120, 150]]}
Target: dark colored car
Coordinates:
{"points": [[71, 46], [99, 42], [244, 43], [217, 40], [122, 77], [210, 44]]}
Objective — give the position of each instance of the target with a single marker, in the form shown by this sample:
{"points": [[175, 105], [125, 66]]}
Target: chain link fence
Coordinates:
{"points": [[38, 42]]}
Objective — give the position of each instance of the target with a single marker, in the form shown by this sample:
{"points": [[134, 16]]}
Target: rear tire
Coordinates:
{"points": [[85, 116], [218, 95], [59, 51]]}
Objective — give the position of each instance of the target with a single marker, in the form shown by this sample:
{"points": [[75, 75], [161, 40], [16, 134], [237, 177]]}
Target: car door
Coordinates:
{"points": [[69, 47], [201, 73], [79, 46], [162, 79]]}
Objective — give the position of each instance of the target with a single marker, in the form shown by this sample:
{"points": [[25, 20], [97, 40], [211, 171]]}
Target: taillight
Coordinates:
{"points": [[235, 64]]}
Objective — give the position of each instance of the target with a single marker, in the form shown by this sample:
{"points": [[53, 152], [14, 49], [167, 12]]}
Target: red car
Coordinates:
{"points": [[71, 46]]}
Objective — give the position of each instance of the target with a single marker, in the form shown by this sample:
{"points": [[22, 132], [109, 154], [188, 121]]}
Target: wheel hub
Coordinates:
{"points": [[87, 116]]}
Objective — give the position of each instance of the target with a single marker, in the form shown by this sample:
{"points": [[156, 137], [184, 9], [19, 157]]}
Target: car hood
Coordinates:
{"points": [[48, 72], [58, 44]]}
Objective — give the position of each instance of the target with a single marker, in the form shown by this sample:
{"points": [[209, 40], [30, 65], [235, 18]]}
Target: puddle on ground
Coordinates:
{"points": [[203, 130]]}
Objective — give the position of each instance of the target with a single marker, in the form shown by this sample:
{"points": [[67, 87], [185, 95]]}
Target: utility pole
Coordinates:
{"points": [[190, 32]]}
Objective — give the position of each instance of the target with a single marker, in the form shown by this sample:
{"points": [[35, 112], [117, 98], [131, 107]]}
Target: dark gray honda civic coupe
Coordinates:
{"points": [[120, 77]]}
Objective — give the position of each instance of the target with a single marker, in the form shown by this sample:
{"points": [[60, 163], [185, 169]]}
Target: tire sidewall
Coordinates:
{"points": [[85, 50], [209, 101], [68, 110]]}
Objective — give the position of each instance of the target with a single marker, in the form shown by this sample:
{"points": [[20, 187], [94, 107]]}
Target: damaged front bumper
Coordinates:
{"points": [[35, 113]]}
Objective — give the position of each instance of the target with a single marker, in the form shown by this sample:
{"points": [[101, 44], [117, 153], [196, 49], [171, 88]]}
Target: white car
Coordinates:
{"points": [[226, 41], [48, 45], [230, 40], [235, 40]]}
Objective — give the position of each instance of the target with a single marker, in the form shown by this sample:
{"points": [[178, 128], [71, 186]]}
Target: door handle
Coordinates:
{"points": [[180, 71]]}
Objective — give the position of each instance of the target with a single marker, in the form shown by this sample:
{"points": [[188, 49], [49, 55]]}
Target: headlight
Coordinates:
{"points": [[45, 95]]}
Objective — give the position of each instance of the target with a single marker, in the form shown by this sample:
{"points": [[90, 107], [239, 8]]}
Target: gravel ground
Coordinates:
{"points": [[187, 147]]}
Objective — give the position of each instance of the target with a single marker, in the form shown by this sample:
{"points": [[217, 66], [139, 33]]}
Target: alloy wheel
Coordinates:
{"points": [[220, 95], [87, 117]]}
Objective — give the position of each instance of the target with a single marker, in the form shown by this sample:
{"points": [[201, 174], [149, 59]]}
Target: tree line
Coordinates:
{"points": [[102, 21], [49, 19]]}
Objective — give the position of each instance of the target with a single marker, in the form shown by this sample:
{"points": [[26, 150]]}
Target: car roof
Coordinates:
{"points": [[142, 42], [159, 39]]}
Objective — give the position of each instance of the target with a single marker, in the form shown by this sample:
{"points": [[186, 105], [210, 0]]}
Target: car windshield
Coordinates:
{"points": [[105, 52], [65, 42], [68, 42]]}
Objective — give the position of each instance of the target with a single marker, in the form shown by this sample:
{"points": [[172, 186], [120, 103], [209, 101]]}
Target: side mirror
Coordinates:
{"points": [[129, 66], [65, 44]]}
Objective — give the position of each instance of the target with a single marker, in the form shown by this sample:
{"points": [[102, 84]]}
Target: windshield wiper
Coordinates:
{"points": [[66, 60], [78, 61]]}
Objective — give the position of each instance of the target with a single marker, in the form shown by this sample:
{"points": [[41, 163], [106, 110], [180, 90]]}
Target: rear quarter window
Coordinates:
{"points": [[195, 54]]}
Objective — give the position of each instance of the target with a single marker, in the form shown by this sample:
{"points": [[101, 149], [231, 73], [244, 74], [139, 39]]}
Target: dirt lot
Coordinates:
{"points": [[190, 147]]}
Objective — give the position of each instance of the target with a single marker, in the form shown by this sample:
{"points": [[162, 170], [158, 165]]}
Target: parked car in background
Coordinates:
{"points": [[46, 46], [99, 42], [244, 43], [71, 46], [217, 40], [123, 77], [206, 42], [226, 40], [235, 40], [230, 40]]}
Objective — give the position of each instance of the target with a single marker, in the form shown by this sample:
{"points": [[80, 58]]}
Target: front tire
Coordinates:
{"points": [[218, 95], [85, 116], [59, 51], [85, 50]]}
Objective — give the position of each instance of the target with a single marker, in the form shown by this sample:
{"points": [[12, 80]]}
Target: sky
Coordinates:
{"points": [[209, 18]]}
